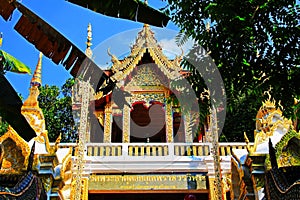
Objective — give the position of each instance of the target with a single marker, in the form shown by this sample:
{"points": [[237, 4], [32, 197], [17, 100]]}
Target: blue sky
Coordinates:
{"points": [[72, 20]]}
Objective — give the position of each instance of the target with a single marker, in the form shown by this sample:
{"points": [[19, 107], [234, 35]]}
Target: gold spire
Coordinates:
{"points": [[88, 50], [36, 78], [35, 82], [31, 110]]}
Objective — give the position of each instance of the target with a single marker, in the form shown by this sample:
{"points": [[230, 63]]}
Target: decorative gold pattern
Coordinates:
{"points": [[218, 186], [36, 78], [212, 187], [98, 95], [188, 128], [84, 92], [108, 123], [269, 119], [146, 77], [117, 111], [144, 182], [100, 116], [145, 41], [169, 122], [145, 88], [126, 125], [32, 112], [148, 97], [88, 50], [66, 166], [85, 188], [16, 152], [47, 182], [208, 133]]}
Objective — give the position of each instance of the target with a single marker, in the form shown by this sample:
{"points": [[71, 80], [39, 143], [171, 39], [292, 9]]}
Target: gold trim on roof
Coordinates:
{"points": [[145, 41]]}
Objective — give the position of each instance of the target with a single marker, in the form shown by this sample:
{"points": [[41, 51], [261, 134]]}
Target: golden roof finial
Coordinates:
{"points": [[269, 103], [37, 76], [88, 50], [35, 82]]}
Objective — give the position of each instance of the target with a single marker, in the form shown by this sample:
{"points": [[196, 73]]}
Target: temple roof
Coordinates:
{"points": [[145, 43]]}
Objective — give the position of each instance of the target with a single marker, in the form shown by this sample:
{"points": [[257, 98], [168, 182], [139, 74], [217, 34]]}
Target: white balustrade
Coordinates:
{"points": [[145, 157], [156, 149]]}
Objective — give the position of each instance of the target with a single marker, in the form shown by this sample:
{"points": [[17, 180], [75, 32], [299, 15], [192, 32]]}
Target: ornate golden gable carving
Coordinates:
{"points": [[145, 42], [16, 152], [145, 77]]}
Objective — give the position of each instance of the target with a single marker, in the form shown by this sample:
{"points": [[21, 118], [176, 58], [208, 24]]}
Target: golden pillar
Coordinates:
{"points": [[169, 122], [84, 189], [188, 128], [107, 123], [212, 188], [215, 192], [126, 124]]}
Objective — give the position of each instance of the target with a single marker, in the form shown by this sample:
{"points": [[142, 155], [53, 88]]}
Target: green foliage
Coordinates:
{"points": [[57, 108], [296, 116], [10, 63], [255, 45], [3, 126]]}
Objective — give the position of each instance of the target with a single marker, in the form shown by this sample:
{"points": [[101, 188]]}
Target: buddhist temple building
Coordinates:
{"points": [[146, 147], [145, 144]]}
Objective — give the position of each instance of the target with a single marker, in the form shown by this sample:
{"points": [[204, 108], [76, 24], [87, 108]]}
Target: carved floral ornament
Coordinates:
{"points": [[146, 77], [145, 42], [148, 98], [14, 163]]}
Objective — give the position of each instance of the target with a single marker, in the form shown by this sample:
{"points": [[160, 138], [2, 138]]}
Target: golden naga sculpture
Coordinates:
{"points": [[270, 123]]}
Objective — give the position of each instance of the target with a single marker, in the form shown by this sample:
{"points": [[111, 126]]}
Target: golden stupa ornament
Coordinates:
{"points": [[37, 76], [88, 50], [35, 82], [30, 109]]}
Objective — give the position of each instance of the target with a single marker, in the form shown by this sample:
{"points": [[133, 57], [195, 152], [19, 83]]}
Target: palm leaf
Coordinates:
{"points": [[134, 10], [10, 63], [10, 110], [58, 48], [6, 9]]}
